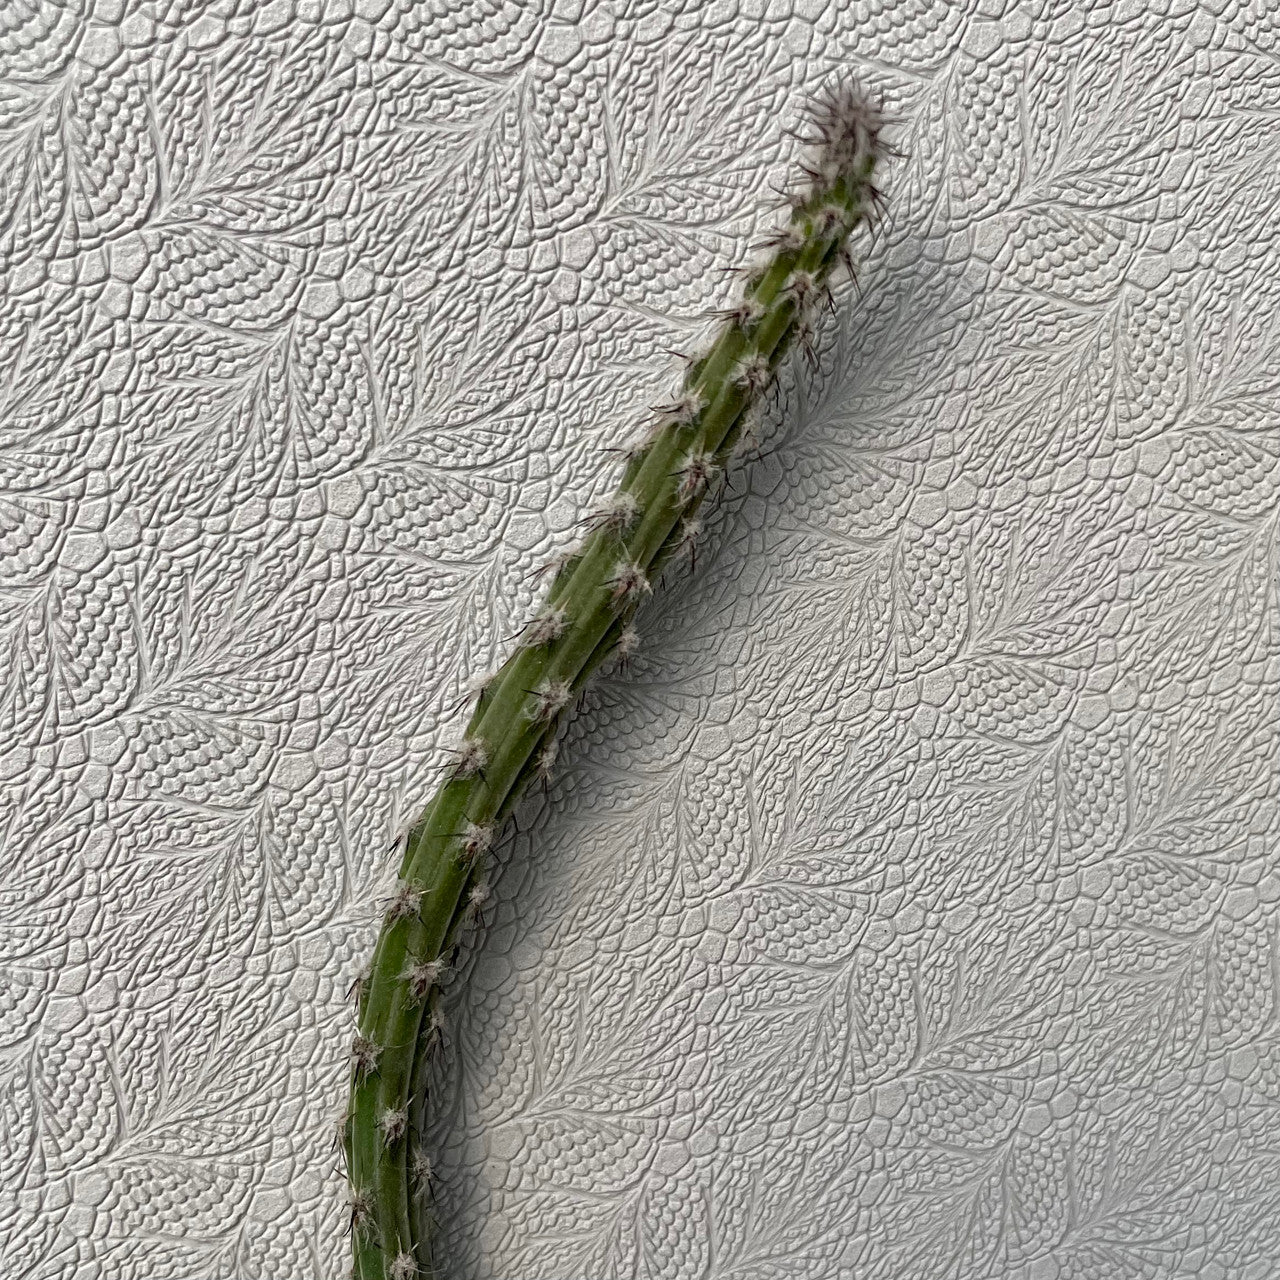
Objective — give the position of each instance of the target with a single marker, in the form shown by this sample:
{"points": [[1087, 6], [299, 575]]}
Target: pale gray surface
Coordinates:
{"points": [[909, 912]]}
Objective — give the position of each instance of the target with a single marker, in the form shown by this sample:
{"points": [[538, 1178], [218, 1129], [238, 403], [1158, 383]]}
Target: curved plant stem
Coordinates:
{"points": [[585, 618]]}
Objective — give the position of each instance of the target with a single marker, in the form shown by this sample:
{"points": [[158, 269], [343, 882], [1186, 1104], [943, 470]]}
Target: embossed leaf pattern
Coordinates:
{"points": [[908, 908]]}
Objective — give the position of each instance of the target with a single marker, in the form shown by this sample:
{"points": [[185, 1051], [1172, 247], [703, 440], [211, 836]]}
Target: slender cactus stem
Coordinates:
{"points": [[585, 618]]}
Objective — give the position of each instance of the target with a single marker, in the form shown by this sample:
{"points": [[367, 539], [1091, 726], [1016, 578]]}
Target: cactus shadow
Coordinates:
{"points": [[869, 412]]}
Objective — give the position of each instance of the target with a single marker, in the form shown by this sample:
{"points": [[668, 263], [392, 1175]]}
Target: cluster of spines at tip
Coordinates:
{"points": [[845, 134]]}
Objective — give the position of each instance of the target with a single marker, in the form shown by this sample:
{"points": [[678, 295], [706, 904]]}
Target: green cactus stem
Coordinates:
{"points": [[585, 618]]}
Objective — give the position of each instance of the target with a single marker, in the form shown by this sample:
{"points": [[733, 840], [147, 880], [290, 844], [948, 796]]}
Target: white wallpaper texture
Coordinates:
{"points": [[910, 909]]}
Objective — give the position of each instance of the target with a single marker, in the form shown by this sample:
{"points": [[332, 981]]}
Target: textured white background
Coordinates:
{"points": [[911, 909]]}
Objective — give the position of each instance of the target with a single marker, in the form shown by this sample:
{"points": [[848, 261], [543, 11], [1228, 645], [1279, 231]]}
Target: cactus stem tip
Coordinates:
{"points": [[847, 127]]}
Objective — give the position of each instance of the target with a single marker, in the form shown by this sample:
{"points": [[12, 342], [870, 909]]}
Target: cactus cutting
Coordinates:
{"points": [[586, 618]]}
